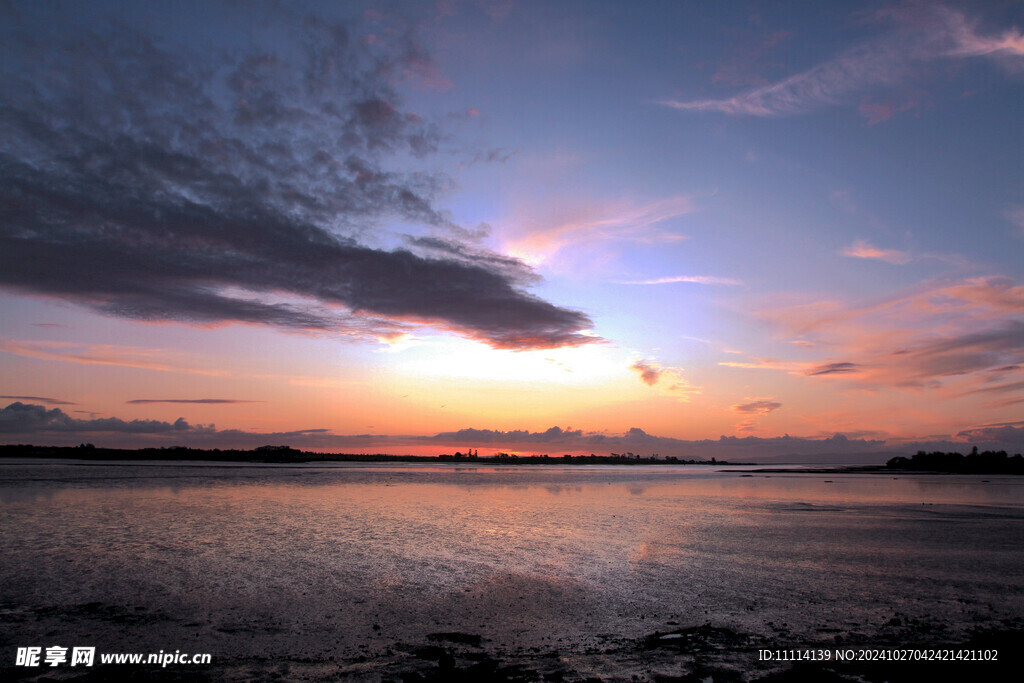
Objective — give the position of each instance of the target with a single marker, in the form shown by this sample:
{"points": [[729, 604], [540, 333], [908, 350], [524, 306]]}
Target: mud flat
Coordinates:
{"points": [[678, 654], [488, 574]]}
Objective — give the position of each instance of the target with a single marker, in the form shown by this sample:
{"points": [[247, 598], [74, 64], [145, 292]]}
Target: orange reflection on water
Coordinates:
{"points": [[509, 552]]}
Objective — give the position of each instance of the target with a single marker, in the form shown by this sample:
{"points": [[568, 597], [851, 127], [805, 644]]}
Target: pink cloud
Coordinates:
{"points": [[945, 335], [996, 293], [609, 221], [753, 410], [862, 249], [757, 406], [765, 364], [746, 427], [967, 42], [671, 380], [107, 354], [649, 374]]}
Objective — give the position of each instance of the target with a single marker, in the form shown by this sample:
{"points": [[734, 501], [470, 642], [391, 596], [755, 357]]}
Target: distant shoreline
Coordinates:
{"points": [[285, 454], [987, 463]]}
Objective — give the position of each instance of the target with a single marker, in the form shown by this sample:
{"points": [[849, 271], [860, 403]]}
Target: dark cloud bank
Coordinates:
{"points": [[27, 423], [157, 181], [837, 448], [22, 418]]}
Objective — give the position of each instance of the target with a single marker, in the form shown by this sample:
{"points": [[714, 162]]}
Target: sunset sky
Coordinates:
{"points": [[355, 226]]}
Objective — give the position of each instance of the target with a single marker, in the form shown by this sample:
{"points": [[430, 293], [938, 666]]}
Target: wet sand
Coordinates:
{"points": [[378, 574], [676, 654]]}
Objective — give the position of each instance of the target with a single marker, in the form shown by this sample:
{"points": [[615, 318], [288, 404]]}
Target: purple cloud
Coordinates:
{"points": [[833, 369], [160, 183], [26, 418], [758, 407], [649, 373]]}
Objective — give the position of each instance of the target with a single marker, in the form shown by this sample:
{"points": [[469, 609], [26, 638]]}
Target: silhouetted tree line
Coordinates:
{"points": [[592, 459], [275, 454], [285, 454], [988, 462]]}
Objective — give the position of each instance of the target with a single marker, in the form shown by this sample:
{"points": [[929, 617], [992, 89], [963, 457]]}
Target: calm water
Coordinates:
{"points": [[318, 562]]}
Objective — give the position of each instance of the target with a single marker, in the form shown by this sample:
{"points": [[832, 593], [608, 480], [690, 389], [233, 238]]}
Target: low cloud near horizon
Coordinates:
{"points": [[36, 423]]}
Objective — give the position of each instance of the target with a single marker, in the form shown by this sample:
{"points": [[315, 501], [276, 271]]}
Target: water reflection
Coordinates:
{"points": [[512, 553]]}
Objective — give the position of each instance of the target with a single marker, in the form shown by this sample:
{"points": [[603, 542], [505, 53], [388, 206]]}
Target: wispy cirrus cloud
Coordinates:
{"points": [[826, 84], [108, 354], [966, 353], [965, 333], [694, 279], [921, 35], [1007, 388], [968, 42], [600, 222], [764, 364], [805, 368], [998, 294]]}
